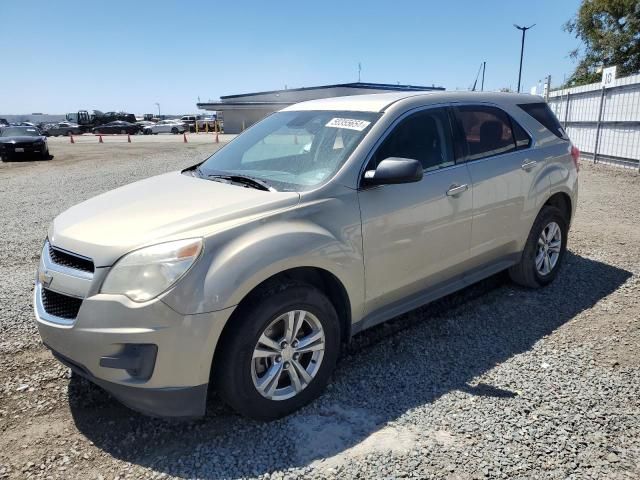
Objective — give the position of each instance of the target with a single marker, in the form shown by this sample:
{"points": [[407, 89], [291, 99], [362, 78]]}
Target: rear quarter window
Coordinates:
{"points": [[543, 114]]}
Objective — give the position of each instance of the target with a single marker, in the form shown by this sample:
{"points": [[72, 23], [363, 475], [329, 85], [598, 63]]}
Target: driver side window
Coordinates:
{"points": [[424, 136]]}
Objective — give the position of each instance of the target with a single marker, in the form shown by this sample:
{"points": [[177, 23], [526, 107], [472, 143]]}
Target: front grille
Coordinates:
{"points": [[60, 305], [69, 260]]}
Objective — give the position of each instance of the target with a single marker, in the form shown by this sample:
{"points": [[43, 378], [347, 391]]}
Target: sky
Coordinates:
{"points": [[63, 56]]}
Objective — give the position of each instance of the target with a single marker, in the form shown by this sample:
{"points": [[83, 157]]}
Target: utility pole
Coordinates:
{"points": [[524, 31], [547, 88], [359, 70], [158, 105], [484, 65]]}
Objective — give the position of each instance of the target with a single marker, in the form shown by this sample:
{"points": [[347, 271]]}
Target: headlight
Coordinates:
{"points": [[144, 274]]}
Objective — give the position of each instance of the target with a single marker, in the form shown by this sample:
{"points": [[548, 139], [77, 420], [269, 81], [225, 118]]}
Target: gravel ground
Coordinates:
{"points": [[492, 382]]}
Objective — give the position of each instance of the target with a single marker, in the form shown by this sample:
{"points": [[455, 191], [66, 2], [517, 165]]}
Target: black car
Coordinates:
{"points": [[117, 127], [22, 142]]}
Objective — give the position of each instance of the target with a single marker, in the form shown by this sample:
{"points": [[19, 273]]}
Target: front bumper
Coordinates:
{"points": [[8, 150], [162, 402], [107, 343]]}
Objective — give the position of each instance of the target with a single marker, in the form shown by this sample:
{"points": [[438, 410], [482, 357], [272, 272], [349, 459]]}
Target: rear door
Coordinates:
{"points": [[506, 186], [416, 235]]}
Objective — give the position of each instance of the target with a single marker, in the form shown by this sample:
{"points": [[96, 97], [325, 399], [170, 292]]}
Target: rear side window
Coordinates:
{"points": [[523, 140], [486, 130], [543, 114]]}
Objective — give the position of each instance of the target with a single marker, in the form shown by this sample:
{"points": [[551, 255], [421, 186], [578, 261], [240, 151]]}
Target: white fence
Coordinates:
{"points": [[603, 123]]}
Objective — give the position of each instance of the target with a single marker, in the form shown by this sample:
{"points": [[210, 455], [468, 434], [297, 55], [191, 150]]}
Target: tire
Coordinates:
{"points": [[237, 374], [174, 130], [527, 273], [45, 155]]}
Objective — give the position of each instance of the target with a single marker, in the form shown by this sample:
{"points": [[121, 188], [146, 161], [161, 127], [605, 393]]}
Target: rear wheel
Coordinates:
{"points": [[174, 130], [279, 352], [544, 250]]}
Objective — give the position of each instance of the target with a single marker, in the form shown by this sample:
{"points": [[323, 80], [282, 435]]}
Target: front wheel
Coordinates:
{"points": [[174, 130], [279, 352], [544, 250]]}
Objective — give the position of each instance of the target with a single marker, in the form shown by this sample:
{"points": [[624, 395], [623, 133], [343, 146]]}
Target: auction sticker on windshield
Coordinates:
{"points": [[348, 123]]}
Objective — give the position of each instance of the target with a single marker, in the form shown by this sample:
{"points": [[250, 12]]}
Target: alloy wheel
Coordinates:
{"points": [[288, 355], [549, 246]]}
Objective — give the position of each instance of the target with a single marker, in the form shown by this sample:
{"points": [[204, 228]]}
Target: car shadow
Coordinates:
{"points": [[443, 347]]}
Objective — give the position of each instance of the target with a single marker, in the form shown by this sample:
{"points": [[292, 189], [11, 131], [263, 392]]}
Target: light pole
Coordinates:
{"points": [[524, 31], [158, 105]]}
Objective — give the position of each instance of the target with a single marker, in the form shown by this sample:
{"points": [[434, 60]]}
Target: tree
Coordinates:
{"points": [[610, 33]]}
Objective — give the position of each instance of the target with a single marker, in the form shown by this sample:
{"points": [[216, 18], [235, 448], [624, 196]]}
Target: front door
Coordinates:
{"points": [[416, 235]]}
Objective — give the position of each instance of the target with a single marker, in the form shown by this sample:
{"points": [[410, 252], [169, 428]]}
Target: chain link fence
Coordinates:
{"points": [[604, 123]]}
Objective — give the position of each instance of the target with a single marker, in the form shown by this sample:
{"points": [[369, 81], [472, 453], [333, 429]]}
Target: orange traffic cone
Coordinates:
{"points": [[128, 138], [100, 139], [71, 140], [184, 137]]}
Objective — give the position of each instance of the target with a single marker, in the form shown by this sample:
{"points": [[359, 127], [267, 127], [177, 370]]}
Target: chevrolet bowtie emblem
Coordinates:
{"points": [[45, 278]]}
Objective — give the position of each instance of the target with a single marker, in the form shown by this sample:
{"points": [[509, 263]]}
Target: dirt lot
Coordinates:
{"points": [[492, 382]]}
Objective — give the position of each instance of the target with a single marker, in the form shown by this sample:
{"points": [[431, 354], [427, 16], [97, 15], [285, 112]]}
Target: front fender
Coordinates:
{"points": [[231, 269]]}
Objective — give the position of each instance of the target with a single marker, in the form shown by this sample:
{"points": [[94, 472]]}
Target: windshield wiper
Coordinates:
{"points": [[243, 180]]}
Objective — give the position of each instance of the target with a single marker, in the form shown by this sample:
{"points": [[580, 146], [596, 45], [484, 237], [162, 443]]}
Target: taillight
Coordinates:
{"points": [[575, 154]]}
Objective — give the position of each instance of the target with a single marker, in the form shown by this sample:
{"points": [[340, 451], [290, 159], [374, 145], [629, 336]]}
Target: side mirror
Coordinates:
{"points": [[394, 170]]}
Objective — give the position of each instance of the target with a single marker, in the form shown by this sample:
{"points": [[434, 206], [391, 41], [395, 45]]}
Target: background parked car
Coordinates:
{"points": [[165, 126], [205, 122], [190, 121], [62, 128], [144, 123], [18, 141], [118, 127]]}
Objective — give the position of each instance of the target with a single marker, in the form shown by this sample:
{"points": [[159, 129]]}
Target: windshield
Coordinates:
{"points": [[20, 132], [292, 151]]}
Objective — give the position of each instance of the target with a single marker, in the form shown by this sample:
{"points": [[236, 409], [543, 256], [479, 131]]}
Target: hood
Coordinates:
{"points": [[21, 139], [156, 209]]}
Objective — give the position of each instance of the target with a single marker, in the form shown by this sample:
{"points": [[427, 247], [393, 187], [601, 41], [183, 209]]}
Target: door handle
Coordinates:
{"points": [[528, 165], [457, 189]]}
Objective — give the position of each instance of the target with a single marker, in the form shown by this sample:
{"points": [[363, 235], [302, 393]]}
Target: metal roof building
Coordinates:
{"points": [[243, 110]]}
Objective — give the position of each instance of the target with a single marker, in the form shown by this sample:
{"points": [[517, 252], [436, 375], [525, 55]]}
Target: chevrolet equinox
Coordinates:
{"points": [[249, 271]]}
